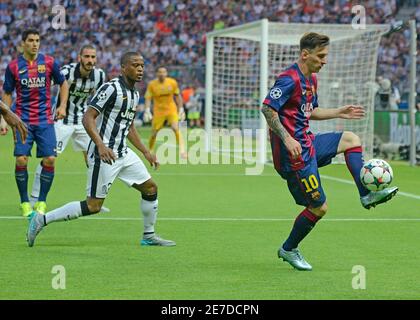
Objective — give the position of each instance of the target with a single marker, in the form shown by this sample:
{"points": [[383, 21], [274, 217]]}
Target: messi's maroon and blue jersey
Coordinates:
{"points": [[294, 97], [32, 82]]}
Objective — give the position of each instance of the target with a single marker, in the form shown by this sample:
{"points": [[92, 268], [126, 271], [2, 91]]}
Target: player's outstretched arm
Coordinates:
{"points": [[345, 112], [89, 122], [352, 112], [134, 137], [274, 123]]}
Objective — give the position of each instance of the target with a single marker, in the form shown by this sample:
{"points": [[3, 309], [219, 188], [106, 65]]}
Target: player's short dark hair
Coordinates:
{"points": [[127, 56], [160, 67], [312, 40], [87, 46], [27, 32]]}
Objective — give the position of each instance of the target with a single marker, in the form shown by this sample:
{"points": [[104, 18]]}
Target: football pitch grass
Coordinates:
{"points": [[228, 227]]}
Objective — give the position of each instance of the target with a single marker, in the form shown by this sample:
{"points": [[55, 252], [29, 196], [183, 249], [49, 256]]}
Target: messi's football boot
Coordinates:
{"points": [[373, 198]]}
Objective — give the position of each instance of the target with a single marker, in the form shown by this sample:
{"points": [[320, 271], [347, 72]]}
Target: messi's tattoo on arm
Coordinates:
{"points": [[274, 123]]}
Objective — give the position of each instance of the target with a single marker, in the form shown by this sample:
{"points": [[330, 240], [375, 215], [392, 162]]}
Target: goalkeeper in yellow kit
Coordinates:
{"points": [[167, 107]]}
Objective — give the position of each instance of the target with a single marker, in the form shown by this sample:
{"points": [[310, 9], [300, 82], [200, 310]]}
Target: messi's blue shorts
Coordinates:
{"points": [[45, 139], [305, 184]]}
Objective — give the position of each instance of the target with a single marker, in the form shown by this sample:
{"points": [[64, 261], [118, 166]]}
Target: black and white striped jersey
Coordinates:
{"points": [[80, 89], [117, 106]]}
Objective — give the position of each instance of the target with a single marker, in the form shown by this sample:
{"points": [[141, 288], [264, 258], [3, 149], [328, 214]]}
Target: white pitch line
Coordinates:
{"points": [[228, 219]]}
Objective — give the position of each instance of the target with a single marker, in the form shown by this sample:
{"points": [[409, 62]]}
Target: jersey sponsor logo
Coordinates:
{"points": [[38, 82], [163, 95], [81, 94], [307, 109], [128, 114], [41, 68], [275, 93]]}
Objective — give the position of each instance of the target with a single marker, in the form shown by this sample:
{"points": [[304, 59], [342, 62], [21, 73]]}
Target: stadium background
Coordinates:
{"points": [[172, 33]]}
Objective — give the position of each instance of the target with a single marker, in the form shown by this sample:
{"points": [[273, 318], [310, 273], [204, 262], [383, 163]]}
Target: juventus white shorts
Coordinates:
{"points": [[78, 134], [129, 169]]}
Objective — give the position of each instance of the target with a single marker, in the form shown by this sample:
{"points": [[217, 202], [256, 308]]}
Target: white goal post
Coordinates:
{"points": [[242, 63]]}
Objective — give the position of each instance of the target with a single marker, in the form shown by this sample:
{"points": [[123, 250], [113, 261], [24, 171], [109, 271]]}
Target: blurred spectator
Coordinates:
{"points": [[389, 96], [194, 107]]}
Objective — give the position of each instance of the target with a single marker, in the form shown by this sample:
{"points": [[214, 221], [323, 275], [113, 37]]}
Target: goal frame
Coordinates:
{"points": [[263, 39]]}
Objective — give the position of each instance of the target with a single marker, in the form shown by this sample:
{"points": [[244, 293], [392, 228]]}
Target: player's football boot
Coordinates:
{"points": [[105, 209], [295, 258], [40, 207], [26, 209], [155, 240], [373, 198], [36, 223]]}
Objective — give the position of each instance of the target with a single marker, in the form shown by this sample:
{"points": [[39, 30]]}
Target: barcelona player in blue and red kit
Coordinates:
{"points": [[31, 76], [298, 153]]}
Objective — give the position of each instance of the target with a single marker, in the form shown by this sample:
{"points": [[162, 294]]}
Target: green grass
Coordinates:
{"points": [[213, 259]]}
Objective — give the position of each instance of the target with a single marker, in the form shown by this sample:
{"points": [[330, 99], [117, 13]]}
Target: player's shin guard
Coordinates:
{"points": [[36, 186], [149, 208], [46, 178], [21, 176], [70, 211], [304, 223], [354, 161]]}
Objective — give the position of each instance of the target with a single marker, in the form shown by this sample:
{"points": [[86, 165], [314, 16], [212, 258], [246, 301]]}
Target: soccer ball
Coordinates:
{"points": [[376, 174]]}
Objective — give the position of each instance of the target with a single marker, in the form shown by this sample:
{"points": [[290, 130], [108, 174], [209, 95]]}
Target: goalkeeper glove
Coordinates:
{"points": [[147, 116]]}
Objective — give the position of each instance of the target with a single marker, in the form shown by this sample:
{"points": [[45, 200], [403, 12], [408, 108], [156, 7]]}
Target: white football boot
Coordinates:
{"points": [[295, 258]]}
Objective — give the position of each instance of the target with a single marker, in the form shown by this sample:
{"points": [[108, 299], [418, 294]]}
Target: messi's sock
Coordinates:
{"points": [[149, 208], [70, 211], [46, 178], [21, 176], [301, 228], [37, 184], [354, 161]]}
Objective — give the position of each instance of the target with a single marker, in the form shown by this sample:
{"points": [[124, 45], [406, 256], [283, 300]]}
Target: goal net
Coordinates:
{"points": [[243, 62]]}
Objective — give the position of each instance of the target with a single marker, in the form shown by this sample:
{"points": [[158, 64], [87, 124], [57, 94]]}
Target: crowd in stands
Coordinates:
{"points": [[172, 32]]}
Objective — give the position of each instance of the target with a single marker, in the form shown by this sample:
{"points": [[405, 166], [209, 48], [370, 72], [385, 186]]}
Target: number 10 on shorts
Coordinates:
{"points": [[311, 183]]}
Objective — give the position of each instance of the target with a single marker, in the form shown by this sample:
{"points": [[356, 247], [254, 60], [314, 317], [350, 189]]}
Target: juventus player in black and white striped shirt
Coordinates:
{"points": [[83, 79], [109, 122]]}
